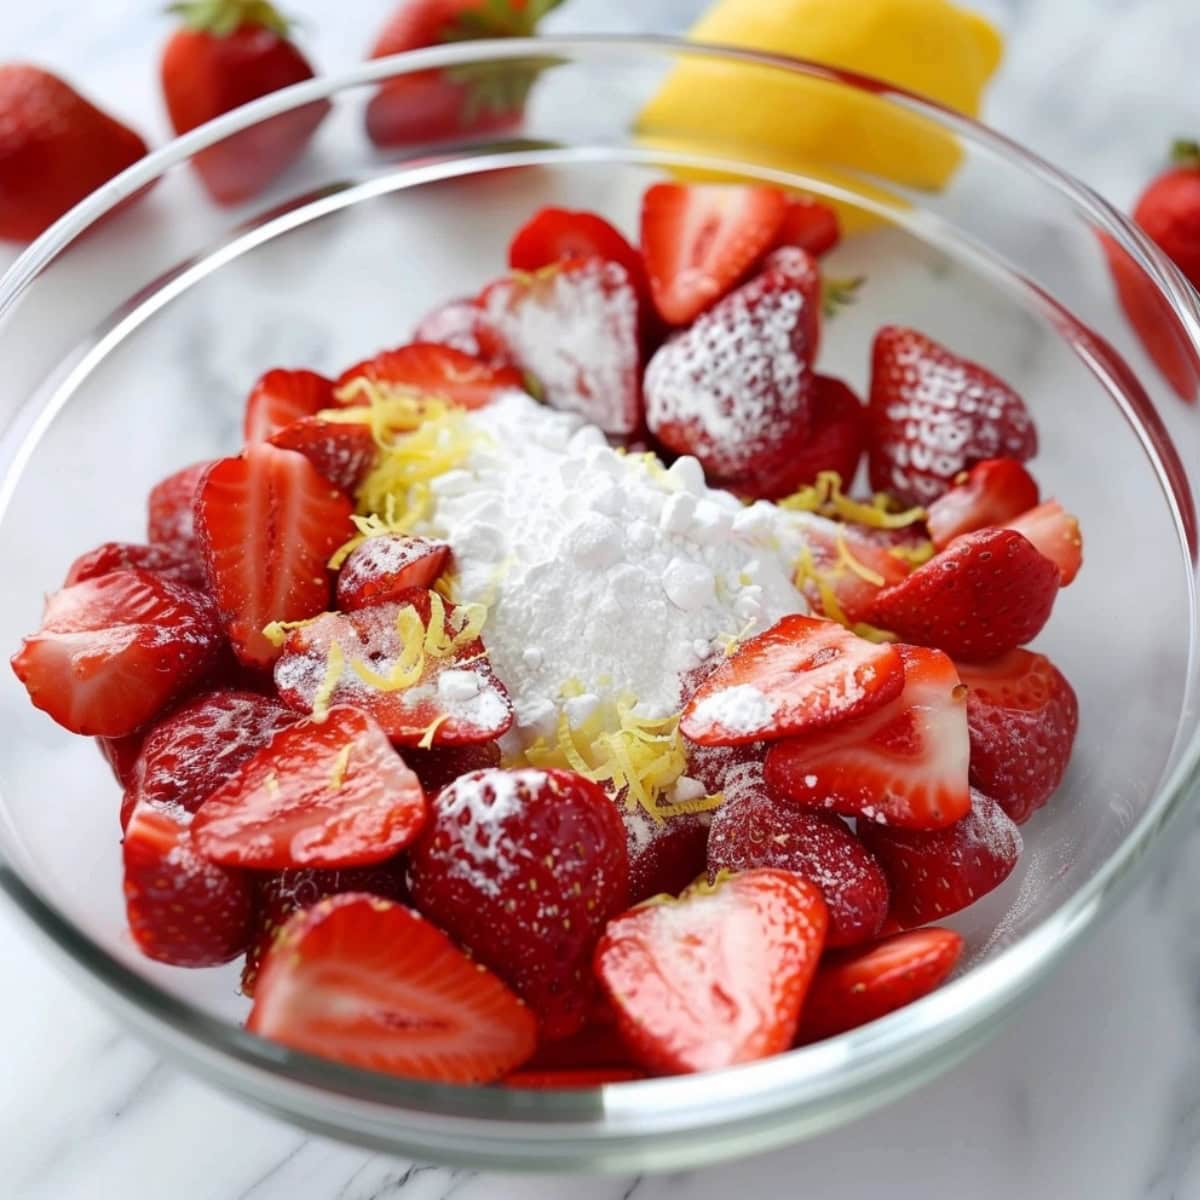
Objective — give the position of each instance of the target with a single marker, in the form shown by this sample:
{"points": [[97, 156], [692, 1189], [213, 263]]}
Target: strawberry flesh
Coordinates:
{"points": [[425, 368], [666, 854], [991, 493], [281, 397], [171, 512], [440, 766], [1054, 533], [461, 325], [380, 569], [121, 754], [343, 452], [125, 556], [811, 225]]}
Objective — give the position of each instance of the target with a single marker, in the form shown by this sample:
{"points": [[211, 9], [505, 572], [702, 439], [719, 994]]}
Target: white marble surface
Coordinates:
{"points": [[1092, 1090]]}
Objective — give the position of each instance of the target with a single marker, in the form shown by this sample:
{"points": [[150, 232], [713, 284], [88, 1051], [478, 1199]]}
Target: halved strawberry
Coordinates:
{"points": [[573, 326], [170, 520], [121, 753], [699, 241], [811, 225], [182, 909], [801, 674], [428, 369], [716, 977], [344, 452], [440, 766], [935, 873], [1023, 717], [1054, 533], [933, 414], [329, 793], [113, 651], [578, 1077], [268, 522], [370, 983], [461, 325], [903, 765], [985, 594], [379, 659], [665, 854], [381, 568], [991, 493], [124, 556], [281, 397], [855, 987]]}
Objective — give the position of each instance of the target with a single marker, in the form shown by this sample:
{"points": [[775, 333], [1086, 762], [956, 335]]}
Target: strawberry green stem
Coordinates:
{"points": [[224, 17], [1185, 153], [837, 293], [498, 18]]}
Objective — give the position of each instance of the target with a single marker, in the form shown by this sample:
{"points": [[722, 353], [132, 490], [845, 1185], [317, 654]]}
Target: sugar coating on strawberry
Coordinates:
{"points": [[379, 569], [665, 855], [715, 767], [343, 452], [123, 556], [461, 325], [170, 519]]}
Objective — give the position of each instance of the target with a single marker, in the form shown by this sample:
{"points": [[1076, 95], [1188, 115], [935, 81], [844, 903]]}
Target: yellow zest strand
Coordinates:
{"points": [[426, 741], [570, 751], [826, 498], [333, 673], [847, 560], [916, 555], [338, 775], [873, 633], [276, 632], [688, 808]]}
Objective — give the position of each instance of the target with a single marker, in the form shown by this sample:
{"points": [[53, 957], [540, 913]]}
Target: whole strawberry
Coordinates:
{"points": [[55, 148], [227, 53], [1169, 209]]}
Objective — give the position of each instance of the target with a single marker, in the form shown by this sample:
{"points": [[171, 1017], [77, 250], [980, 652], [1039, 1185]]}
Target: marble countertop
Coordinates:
{"points": [[1091, 1090]]}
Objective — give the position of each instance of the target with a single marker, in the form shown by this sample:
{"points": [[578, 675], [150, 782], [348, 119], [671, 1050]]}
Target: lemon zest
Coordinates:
{"points": [[915, 555], [276, 632], [852, 564], [334, 666], [873, 633], [826, 498], [426, 741], [338, 775]]}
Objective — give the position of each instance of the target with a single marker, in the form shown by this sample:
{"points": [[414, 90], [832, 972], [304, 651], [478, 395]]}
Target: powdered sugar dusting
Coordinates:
{"points": [[740, 710]]}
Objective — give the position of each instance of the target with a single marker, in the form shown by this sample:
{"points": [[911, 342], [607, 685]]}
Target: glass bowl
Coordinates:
{"points": [[130, 343]]}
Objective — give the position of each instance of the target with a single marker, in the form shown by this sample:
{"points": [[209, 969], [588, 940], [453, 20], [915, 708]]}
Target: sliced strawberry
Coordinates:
{"points": [[461, 325], [718, 768], [171, 510], [811, 225], [523, 868], [735, 390], [801, 674], [182, 909], [858, 986], [990, 494], [574, 328], [372, 659], [188, 755], [700, 241], [597, 1044], [440, 766], [716, 977], [934, 874], [579, 1077], [432, 370], [1023, 717], [124, 556], [665, 854], [381, 568], [281, 397], [343, 452], [268, 522], [1054, 533], [932, 414], [985, 594], [903, 765], [330, 793], [121, 753], [113, 651], [370, 983]]}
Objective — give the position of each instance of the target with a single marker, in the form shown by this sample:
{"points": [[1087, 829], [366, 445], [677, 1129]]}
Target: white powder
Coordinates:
{"points": [[739, 710]]}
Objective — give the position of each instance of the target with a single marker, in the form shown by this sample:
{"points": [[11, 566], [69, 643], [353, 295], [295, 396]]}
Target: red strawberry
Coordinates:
{"points": [[719, 767], [523, 868], [811, 225], [933, 414], [579, 1077], [330, 793], [440, 766], [181, 908], [700, 241], [113, 651], [369, 983], [430, 369], [268, 523], [991, 493], [55, 149], [597, 1044], [751, 829], [461, 325], [452, 699], [982, 596], [666, 854], [188, 755], [904, 765], [735, 389], [343, 452], [574, 327], [716, 977], [861, 985], [171, 512], [121, 753], [1169, 210], [1054, 533], [1023, 716], [228, 53], [934, 874], [378, 570], [281, 397], [801, 674], [125, 556]]}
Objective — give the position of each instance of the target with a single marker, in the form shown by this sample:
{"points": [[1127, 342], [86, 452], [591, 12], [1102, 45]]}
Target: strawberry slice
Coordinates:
{"points": [[268, 523], [801, 674], [700, 241], [579, 1077], [735, 390], [440, 766], [716, 977], [665, 854], [329, 793], [170, 512], [1023, 716], [990, 494], [281, 397], [181, 908], [344, 452], [380, 659], [574, 328], [904, 765], [381, 568], [985, 594], [428, 369], [934, 874], [461, 325], [113, 651], [858, 986], [1054, 533], [370, 983], [811, 225], [121, 754], [125, 556], [932, 414]]}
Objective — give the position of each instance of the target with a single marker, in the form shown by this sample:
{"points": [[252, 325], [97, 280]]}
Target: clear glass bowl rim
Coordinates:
{"points": [[941, 1027]]}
